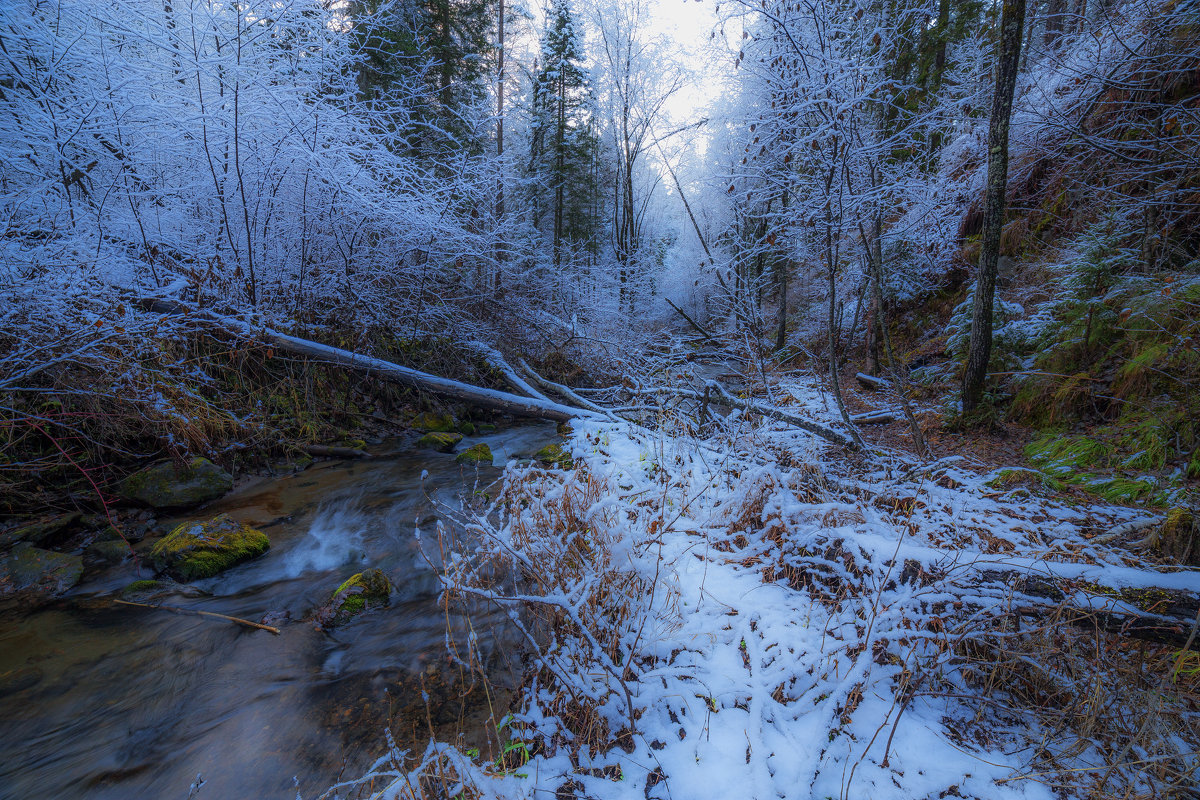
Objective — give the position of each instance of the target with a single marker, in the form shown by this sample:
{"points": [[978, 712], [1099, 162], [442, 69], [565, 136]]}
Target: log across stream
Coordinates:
{"points": [[100, 700]]}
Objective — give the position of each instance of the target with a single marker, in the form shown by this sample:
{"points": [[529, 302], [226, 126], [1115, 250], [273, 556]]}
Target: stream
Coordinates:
{"points": [[112, 701]]}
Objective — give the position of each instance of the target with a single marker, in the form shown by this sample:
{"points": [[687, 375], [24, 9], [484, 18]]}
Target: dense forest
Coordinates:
{"points": [[600, 398]]}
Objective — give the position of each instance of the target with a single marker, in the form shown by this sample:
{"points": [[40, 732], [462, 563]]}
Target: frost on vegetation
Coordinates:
{"points": [[722, 626]]}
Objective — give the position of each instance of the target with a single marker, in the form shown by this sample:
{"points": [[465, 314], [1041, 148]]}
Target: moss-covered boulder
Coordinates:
{"points": [[467, 428], [431, 421], [201, 549], [42, 532], [367, 589], [29, 569], [442, 442], [475, 454], [555, 456], [105, 552], [168, 485], [1179, 536]]}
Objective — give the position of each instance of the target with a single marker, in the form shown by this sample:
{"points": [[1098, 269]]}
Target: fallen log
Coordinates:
{"points": [[871, 382], [565, 391], [874, 418], [384, 370], [1162, 616], [329, 451]]}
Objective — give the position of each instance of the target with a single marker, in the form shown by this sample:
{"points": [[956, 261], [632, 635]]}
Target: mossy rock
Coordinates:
{"points": [[367, 589], [486, 427], [467, 428], [555, 456], [442, 442], [167, 485], [1179, 536], [105, 552], [475, 454], [201, 549], [40, 532], [431, 421], [32, 569], [142, 587]]}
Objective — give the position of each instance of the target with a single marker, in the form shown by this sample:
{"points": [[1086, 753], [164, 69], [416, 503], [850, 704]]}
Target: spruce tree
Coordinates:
{"points": [[563, 144]]}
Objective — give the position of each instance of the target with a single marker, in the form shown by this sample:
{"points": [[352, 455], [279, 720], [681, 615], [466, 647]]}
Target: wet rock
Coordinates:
{"points": [[31, 569], [555, 456], [167, 485], [105, 552], [41, 532], [18, 680], [485, 427], [367, 589], [143, 588], [442, 442], [475, 454], [201, 549], [433, 422]]}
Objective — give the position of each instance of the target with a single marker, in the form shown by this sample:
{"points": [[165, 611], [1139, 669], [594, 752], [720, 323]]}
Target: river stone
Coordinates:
{"points": [[430, 421], [31, 569], [442, 442], [39, 532], [475, 454], [367, 589], [105, 553], [200, 549], [166, 485]]}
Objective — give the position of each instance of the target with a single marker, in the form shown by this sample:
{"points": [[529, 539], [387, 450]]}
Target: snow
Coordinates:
{"points": [[744, 684]]}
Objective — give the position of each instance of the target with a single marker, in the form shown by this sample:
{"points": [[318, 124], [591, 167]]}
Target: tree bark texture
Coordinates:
{"points": [[1012, 25]]}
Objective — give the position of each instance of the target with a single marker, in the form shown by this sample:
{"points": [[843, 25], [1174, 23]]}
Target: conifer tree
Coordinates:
{"points": [[563, 144]]}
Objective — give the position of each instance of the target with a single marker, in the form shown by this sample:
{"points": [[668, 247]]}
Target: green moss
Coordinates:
{"points": [[430, 421], [167, 485], [363, 590], [467, 428], [475, 454], [142, 587], [554, 455], [442, 442], [201, 549]]}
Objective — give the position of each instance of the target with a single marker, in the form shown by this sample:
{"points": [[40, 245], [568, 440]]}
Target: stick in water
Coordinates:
{"points": [[179, 610]]}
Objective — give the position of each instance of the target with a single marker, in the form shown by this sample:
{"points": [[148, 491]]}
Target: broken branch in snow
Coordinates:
{"points": [[692, 322]]}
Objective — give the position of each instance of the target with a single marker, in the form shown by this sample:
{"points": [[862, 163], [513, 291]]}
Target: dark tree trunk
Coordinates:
{"points": [[1012, 23]]}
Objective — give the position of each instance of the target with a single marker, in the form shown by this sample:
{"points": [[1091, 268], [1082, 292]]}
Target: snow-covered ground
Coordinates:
{"points": [[750, 616]]}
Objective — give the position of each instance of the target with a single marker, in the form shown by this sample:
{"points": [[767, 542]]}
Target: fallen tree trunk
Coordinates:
{"points": [[384, 370], [1162, 616], [874, 418]]}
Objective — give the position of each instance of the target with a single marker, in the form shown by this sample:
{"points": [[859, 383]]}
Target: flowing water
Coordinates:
{"points": [[110, 701]]}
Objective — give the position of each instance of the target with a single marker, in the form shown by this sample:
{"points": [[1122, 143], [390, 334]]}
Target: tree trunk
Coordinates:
{"points": [[1012, 23], [384, 370]]}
